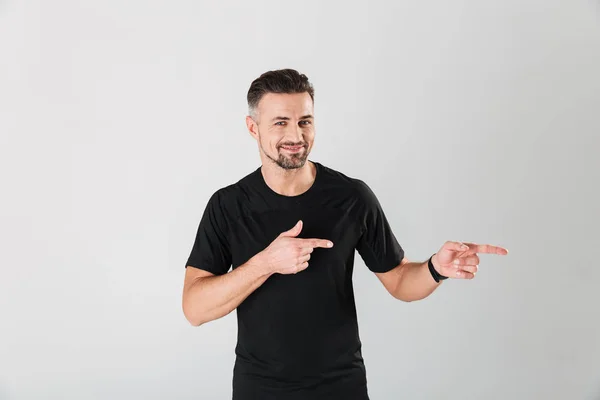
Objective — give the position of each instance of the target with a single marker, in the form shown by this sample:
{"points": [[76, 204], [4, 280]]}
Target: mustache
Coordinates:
{"points": [[293, 144]]}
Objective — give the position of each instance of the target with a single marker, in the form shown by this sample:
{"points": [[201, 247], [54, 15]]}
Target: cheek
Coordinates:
{"points": [[274, 141], [310, 137], [270, 139]]}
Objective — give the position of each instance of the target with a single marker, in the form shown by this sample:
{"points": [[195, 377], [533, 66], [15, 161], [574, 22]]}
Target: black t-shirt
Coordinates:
{"points": [[298, 335]]}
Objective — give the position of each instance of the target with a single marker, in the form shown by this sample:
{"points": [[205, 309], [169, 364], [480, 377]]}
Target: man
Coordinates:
{"points": [[289, 230]]}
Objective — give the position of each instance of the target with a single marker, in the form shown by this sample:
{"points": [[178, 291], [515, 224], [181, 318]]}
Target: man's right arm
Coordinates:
{"points": [[207, 297]]}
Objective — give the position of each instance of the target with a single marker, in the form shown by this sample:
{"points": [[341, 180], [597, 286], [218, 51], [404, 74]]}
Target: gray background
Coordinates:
{"points": [[471, 120]]}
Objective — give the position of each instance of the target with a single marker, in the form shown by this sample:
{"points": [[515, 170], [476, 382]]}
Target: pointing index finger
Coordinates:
{"points": [[487, 248], [319, 243]]}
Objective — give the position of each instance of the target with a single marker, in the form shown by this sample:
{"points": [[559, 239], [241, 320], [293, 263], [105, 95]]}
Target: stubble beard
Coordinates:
{"points": [[289, 161]]}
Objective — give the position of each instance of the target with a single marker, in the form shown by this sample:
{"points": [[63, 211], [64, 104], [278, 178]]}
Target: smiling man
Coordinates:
{"points": [[279, 245]]}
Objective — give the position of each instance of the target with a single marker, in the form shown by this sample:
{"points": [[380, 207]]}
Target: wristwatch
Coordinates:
{"points": [[436, 275]]}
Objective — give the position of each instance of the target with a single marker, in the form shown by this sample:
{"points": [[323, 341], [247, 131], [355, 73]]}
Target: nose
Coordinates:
{"points": [[295, 134]]}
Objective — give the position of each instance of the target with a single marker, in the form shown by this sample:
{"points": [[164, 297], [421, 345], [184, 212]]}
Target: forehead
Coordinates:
{"points": [[285, 104]]}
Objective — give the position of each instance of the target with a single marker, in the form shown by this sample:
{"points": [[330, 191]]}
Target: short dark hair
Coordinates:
{"points": [[278, 81]]}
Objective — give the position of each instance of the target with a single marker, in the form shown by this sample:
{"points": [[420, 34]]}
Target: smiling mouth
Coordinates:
{"points": [[293, 149]]}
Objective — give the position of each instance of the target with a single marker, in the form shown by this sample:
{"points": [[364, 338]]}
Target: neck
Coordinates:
{"points": [[292, 182]]}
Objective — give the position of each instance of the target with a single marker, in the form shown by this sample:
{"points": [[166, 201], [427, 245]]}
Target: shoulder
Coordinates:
{"points": [[349, 185], [235, 190], [231, 200]]}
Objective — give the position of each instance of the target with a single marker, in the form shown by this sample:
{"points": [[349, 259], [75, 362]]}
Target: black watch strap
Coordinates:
{"points": [[436, 276]]}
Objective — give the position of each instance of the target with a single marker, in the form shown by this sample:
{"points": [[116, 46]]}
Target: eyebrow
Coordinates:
{"points": [[308, 116]]}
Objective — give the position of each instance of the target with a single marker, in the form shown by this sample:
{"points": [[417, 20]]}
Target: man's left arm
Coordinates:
{"points": [[410, 281]]}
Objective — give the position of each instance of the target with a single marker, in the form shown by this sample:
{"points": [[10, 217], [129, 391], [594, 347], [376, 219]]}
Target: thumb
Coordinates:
{"points": [[455, 246], [295, 231]]}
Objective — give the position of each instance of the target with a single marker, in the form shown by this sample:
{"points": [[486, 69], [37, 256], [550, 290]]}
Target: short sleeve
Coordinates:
{"points": [[377, 244], [211, 251]]}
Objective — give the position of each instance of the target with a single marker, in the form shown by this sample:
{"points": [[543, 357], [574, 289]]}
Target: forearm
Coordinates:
{"points": [[214, 297], [414, 281]]}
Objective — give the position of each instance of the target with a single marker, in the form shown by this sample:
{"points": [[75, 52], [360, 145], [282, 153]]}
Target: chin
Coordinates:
{"points": [[292, 162]]}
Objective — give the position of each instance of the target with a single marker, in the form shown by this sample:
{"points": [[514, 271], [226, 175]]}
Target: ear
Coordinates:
{"points": [[252, 127]]}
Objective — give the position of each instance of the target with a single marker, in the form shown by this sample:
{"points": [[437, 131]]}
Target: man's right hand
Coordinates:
{"points": [[288, 254]]}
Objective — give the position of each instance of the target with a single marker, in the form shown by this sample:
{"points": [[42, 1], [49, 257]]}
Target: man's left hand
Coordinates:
{"points": [[460, 259]]}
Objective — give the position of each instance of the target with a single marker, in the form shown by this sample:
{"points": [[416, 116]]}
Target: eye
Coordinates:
{"points": [[280, 123], [305, 122]]}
